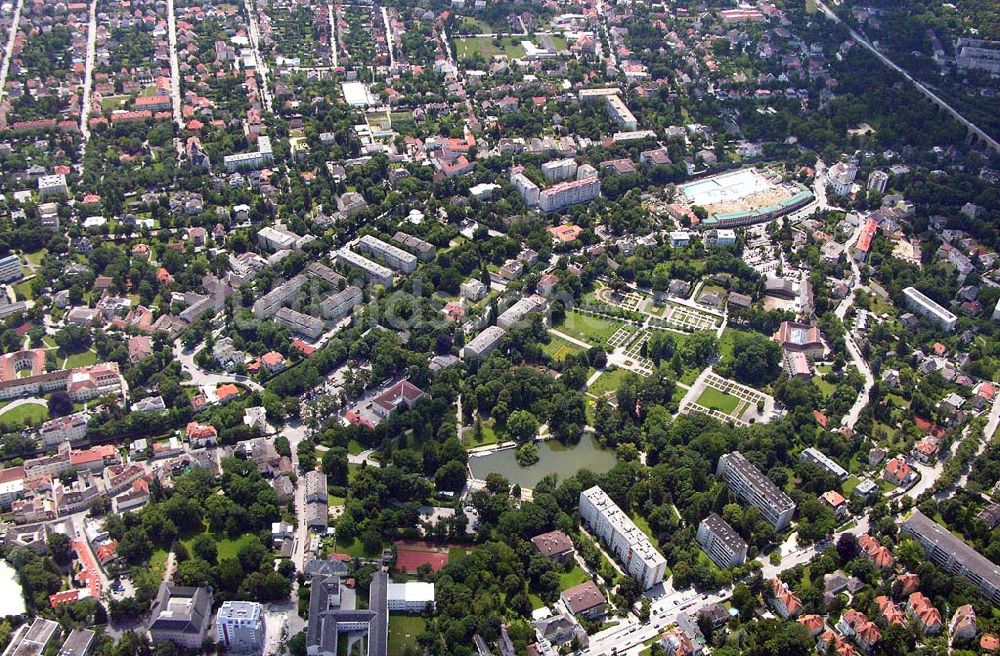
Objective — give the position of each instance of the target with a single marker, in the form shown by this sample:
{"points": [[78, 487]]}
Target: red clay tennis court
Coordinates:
{"points": [[411, 555]]}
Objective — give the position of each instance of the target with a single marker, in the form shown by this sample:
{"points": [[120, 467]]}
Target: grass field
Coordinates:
{"points": [[488, 434], [34, 413], [456, 553], [713, 399], [468, 47], [354, 447], [575, 576], [82, 359], [403, 632], [593, 330], [609, 381], [558, 348], [810, 6], [826, 388], [23, 291], [225, 547]]}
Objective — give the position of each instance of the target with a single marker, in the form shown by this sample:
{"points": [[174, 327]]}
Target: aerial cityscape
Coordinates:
{"points": [[499, 327]]}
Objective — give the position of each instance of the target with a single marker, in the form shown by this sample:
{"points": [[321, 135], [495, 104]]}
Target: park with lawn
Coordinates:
{"points": [[714, 399]]}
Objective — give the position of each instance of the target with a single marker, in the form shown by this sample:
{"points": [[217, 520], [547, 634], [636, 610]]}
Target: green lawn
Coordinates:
{"points": [[826, 388], [727, 342], [456, 553], [354, 447], [593, 330], [225, 547], [609, 381], [713, 399], [33, 413], [575, 576], [558, 348], [23, 291], [83, 359], [466, 48], [158, 562], [849, 485], [403, 632], [488, 434], [536, 601]]}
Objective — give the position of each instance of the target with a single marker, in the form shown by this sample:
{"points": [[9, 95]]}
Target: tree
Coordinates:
{"points": [[335, 465], [60, 404], [204, 547], [450, 477], [59, 545], [847, 547], [522, 426]]}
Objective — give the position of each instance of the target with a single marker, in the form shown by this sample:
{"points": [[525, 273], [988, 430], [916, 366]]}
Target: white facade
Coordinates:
{"points": [[753, 487], [925, 307], [52, 185], [629, 545], [566, 194], [410, 597], [377, 273], [620, 113], [239, 626], [11, 268], [528, 189], [559, 170], [484, 343], [519, 310], [392, 256]]}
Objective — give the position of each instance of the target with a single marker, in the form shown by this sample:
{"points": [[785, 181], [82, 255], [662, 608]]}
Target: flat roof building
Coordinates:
{"points": [[298, 322], [31, 639], [721, 542], [267, 305], [629, 545], [11, 268], [392, 256], [339, 304], [819, 458], [376, 273], [239, 626], [410, 596], [484, 343], [954, 555], [565, 194], [424, 250], [751, 486], [519, 310], [931, 310], [78, 643], [181, 615]]}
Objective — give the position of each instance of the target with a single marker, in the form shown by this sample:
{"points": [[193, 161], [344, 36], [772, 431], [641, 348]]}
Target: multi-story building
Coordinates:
{"points": [[376, 273], [817, 457], [569, 193], [303, 324], [239, 626], [721, 542], [424, 250], [841, 176], [954, 555], [71, 428], [620, 113], [410, 596], [50, 186], [392, 256], [181, 615], [327, 620], [529, 190], [339, 304], [268, 304], [977, 54], [629, 545], [274, 238], [559, 170], [878, 180], [32, 639], [484, 343], [753, 487], [925, 307], [519, 310], [10, 268]]}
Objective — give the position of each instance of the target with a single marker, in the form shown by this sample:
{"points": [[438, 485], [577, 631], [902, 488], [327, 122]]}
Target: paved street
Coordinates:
{"points": [[201, 377]]}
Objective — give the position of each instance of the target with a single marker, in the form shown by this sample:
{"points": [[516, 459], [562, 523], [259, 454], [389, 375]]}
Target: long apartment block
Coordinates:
{"points": [[753, 487], [629, 545]]}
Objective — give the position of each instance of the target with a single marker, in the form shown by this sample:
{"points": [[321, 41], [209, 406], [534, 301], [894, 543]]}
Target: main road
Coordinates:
{"points": [[88, 76], [175, 69], [9, 49], [972, 127], [254, 32]]}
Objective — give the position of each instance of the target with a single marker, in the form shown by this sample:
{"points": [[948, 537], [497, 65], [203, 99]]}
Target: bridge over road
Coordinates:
{"points": [[969, 125]]}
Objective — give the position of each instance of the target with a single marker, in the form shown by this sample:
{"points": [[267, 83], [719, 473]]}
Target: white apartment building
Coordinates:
{"points": [[484, 343], [392, 256], [620, 113], [298, 322], [410, 597], [519, 310], [925, 307], [559, 170], [339, 304], [277, 239], [570, 193], [11, 268], [529, 190], [50, 186], [239, 626], [751, 486], [629, 545], [721, 542], [878, 181], [817, 457], [841, 176], [268, 304], [376, 273], [71, 428]]}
